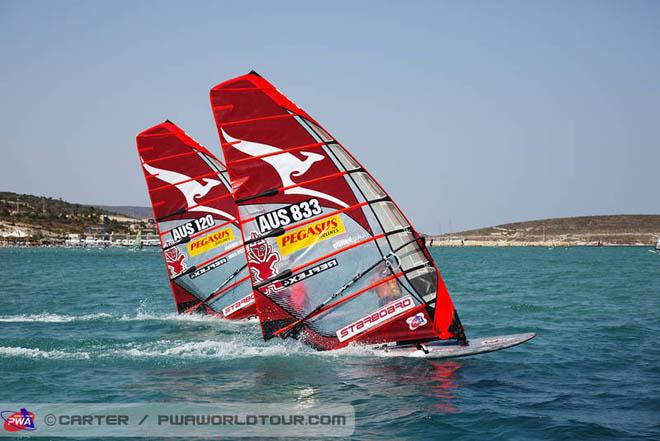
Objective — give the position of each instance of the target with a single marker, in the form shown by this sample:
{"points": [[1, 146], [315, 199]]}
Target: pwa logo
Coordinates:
{"points": [[416, 321], [16, 421]]}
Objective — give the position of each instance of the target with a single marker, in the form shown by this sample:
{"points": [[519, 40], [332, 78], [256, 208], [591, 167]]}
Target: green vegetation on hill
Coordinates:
{"points": [[48, 217]]}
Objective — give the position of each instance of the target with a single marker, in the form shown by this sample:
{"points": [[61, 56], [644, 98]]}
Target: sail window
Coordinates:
{"points": [[410, 255], [320, 132], [389, 216], [344, 158], [370, 189], [425, 282]]}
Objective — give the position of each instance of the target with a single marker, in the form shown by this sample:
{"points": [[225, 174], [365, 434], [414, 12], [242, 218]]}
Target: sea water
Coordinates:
{"points": [[97, 325]]}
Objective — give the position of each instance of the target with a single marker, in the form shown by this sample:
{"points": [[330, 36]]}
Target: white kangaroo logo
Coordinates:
{"points": [[286, 164], [191, 189]]}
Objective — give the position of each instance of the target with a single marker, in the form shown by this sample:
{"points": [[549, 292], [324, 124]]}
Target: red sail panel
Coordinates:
{"points": [[332, 258], [196, 219]]}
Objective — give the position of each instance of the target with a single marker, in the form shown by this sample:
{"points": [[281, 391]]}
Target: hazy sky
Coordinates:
{"points": [[469, 113]]}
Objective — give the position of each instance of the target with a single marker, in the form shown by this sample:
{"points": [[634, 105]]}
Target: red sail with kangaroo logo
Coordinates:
{"points": [[197, 223], [344, 264]]}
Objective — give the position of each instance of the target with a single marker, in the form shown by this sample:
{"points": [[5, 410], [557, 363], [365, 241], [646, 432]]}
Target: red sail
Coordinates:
{"points": [[332, 258], [197, 224]]}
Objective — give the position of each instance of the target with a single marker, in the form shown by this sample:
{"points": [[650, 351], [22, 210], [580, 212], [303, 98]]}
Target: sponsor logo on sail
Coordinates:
{"points": [[205, 269], [377, 317], [310, 272], [310, 234], [16, 421], [190, 188], [341, 243], [238, 305], [175, 261], [211, 241], [416, 321], [286, 164], [262, 258]]}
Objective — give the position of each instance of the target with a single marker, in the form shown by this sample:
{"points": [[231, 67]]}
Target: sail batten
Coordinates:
{"points": [[263, 118], [332, 258]]}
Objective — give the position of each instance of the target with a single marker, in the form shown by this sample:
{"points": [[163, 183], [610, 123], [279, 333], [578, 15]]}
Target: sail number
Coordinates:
{"points": [[192, 227], [287, 215]]}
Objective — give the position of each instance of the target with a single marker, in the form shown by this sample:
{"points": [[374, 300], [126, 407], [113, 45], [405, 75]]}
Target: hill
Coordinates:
{"points": [[584, 230], [38, 218], [130, 211]]}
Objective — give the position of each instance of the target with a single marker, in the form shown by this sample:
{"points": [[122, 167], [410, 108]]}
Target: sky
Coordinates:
{"points": [[470, 114]]}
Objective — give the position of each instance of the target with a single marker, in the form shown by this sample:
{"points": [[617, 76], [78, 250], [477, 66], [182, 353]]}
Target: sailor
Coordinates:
{"points": [[389, 291], [298, 298]]}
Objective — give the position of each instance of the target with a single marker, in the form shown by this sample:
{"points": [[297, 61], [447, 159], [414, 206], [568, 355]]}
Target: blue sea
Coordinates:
{"points": [[99, 326]]}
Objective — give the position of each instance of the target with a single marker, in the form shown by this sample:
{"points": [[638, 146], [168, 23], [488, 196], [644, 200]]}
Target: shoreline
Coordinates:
{"points": [[434, 244], [459, 243], [90, 247], [539, 245]]}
